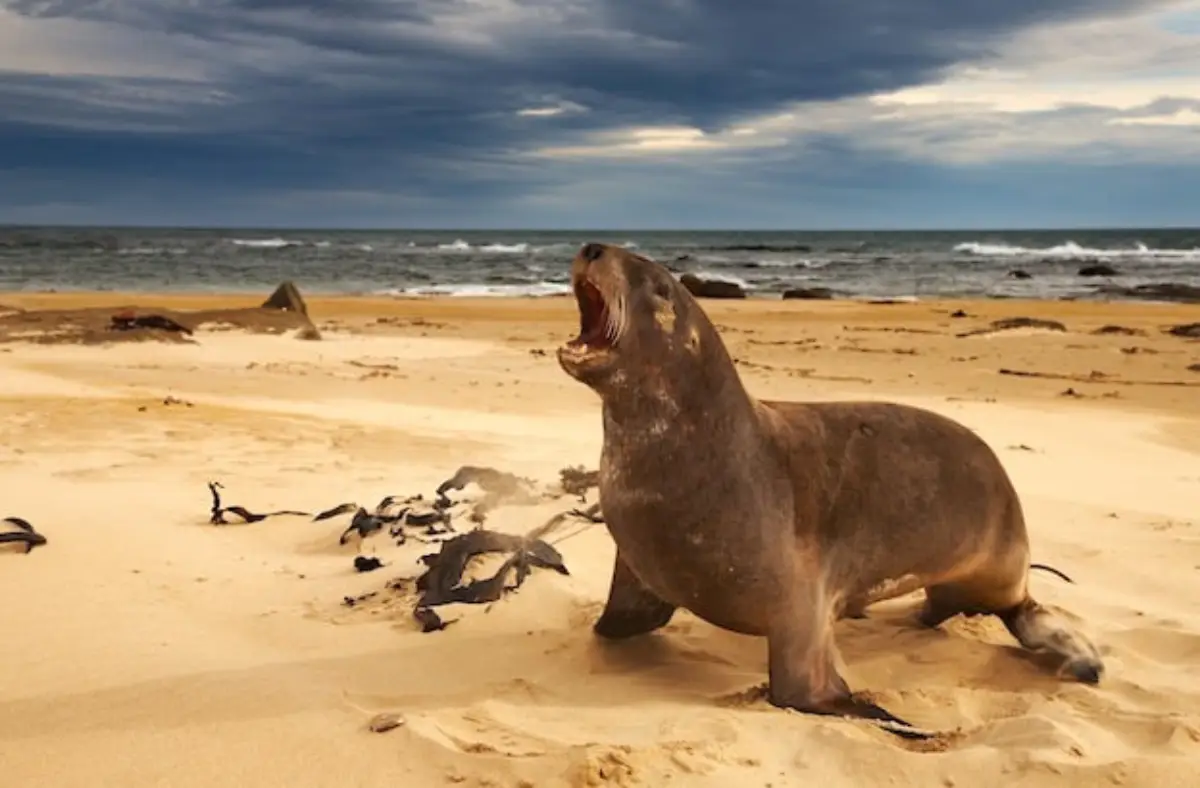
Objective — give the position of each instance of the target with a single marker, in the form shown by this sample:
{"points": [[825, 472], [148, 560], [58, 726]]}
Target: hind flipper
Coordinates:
{"points": [[1037, 629]]}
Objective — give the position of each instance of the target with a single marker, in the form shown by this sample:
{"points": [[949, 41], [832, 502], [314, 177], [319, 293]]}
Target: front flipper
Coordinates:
{"points": [[632, 609], [804, 675]]}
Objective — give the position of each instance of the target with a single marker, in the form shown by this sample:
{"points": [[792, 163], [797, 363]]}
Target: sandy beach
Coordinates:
{"points": [[145, 646]]}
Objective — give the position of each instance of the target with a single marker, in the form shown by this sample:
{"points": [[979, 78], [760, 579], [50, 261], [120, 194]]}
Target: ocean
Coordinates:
{"points": [[535, 263]]}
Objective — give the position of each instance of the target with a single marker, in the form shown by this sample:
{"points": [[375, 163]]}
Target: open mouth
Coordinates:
{"points": [[594, 322]]}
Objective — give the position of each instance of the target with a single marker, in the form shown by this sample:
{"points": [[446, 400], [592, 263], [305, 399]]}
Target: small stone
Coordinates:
{"points": [[385, 721]]}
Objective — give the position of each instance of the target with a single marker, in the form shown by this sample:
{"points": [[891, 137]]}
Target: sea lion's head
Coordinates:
{"points": [[637, 324]]}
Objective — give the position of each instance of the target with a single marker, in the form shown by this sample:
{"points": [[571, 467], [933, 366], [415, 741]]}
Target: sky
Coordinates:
{"points": [[631, 114]]}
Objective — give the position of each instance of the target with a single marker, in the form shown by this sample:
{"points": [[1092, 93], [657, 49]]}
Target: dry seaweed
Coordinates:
{"points": [[1012, 323], [364, 563], [393, 511], [25, 534], [128, 320], [218, 512], [442, 582], [577, 480]]}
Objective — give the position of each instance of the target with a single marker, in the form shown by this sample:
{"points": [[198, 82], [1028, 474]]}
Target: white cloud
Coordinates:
{"points": [[1076, 91], [1182, 117], [72, 47], [551, 110]]}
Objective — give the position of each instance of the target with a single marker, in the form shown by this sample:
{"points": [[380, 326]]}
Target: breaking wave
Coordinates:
{"points": [[1073, 251], [532, 289]]}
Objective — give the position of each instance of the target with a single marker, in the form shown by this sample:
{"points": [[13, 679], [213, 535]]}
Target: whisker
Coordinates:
{"points": [[619, 318]]}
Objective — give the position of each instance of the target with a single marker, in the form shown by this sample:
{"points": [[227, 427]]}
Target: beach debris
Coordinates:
{"points": [[1096, 376], [1118, 331], [1099, 269], [442, 582], [1013, 323], [364, 563], [499, 487], [1156, 291], [309, 334], [1194, 368], [351, 601], [1188, 330], [218, 512], [128, 320], [430, 621], [286, 298], [1018, 273], [577, 480], [490, 480], [384, 722], [136, 323], [394, 511], [591, 514], [364, 524], [1057, 572], [958, 313], [25, 534]]}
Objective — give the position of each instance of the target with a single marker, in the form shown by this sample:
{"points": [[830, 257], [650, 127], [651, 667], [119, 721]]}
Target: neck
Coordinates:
{"points": [[681, 397]]}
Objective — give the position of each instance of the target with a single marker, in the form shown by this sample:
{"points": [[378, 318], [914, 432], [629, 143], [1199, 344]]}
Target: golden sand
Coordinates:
{"points": [[146, 647]]}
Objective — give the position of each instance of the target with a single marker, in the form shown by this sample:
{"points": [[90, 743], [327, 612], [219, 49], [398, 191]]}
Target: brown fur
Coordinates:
{"points": [[774, 518]]}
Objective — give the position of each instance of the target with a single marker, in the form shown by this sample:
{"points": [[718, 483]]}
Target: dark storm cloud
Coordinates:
{"points": [[696, 61], [416, 96]]}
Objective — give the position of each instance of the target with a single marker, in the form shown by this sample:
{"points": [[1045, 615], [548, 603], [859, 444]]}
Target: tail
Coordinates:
{"points": [[1052, 571]]}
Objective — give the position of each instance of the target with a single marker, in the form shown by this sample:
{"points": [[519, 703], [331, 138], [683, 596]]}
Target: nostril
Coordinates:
{"points": [[591, 252]]}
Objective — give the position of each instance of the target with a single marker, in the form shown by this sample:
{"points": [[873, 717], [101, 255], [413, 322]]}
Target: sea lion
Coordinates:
{"points": [[774, 518]]}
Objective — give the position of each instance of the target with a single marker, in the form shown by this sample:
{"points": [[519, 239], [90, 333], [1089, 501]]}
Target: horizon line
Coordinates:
{"points": [[316, 228]]}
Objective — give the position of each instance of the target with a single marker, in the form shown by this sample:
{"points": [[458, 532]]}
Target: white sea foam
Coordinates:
{"points": [[1073, 251], [480, 291], [795, 262], [460, 245], [148, 250], [262, 243], [505, 248], [722, 276]]}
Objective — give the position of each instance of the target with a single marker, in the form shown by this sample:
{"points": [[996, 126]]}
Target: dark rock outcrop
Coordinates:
{"points": [[1099, 269], [807, 293], [287, 298], [711, 288], [1157, 291]]}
